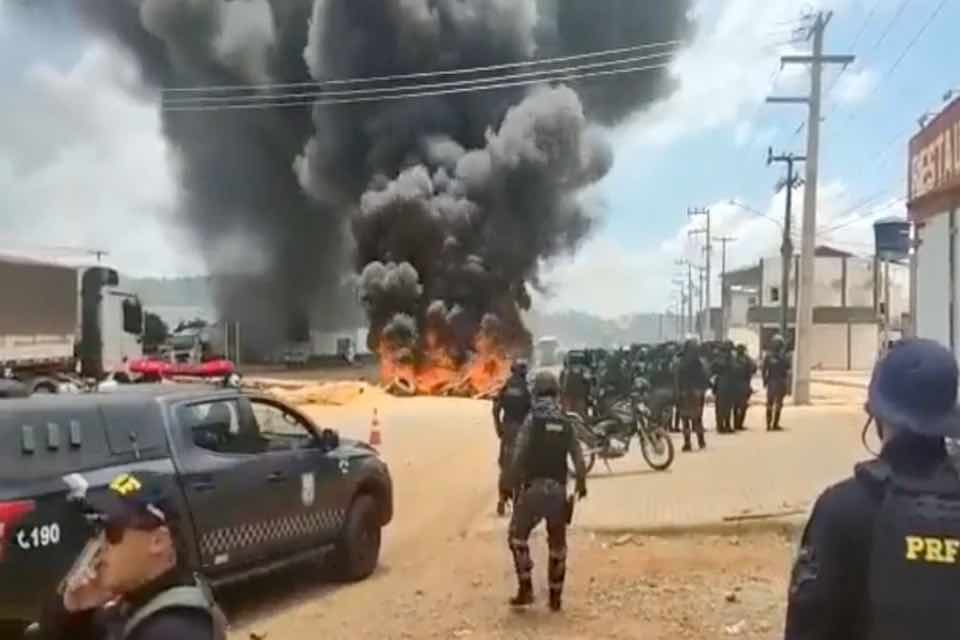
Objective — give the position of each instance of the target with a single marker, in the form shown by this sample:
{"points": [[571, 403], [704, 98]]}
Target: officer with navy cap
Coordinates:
{"points": [[880, 555], [131, 582]]}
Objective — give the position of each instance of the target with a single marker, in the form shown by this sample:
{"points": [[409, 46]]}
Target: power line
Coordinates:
{"points": [[910, 45], [417, 94], [205, 100], [425, 74]]}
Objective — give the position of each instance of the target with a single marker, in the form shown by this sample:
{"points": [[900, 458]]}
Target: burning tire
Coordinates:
{"points": [[402, 387]]}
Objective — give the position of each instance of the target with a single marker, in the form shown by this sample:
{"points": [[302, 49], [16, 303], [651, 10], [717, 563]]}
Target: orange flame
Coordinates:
{"points": [[438, 373]]}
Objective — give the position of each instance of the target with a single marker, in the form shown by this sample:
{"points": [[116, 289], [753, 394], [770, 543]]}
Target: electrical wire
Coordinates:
{"points": [[906, 51], [424, 74], [204, 100], [311, 102]]}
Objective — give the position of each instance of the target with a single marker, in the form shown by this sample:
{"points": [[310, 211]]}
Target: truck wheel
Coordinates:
{"points": [[358, 551], [12, 629], [43, 387]]}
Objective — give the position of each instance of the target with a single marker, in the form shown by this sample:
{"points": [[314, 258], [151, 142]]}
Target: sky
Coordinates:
{"points": [[83, 164]]}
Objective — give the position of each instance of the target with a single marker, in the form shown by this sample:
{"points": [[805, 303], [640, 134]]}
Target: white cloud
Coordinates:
{"points": [[607, 279], [84, 164], [725, 74], [854, 86]]}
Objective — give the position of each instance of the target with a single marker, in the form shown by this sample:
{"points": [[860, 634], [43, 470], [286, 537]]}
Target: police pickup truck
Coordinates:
{"points": [[260, 485]]}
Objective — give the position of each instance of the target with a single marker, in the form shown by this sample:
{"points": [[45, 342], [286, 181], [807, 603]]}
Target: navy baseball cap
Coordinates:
{"points": [[914, 388], [131, 498]]}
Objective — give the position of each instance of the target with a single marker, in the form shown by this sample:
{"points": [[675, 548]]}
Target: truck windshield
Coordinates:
{"points": [[182, 342]]}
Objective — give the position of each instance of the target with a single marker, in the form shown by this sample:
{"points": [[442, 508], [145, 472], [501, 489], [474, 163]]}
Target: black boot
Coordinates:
{"points": [[556, 600], [769, 419], [524, 597], [701, 441]]}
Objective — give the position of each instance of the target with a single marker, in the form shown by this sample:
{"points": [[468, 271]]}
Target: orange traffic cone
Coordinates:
{"points": [[376, 439]]}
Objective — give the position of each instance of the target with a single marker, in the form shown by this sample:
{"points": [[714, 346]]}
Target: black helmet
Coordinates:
{"points": [[519, 367], [545, 384], [741, 348]]}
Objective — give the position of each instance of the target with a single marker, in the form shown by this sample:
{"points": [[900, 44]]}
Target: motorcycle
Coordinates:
{"points": [[608, 437]]}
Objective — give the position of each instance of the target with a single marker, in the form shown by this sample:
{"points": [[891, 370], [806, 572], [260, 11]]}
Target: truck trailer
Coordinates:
{"points": [[59, 322]]}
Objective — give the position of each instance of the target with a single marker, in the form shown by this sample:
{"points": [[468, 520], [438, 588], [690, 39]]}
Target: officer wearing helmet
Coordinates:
{"points": [[724, 387], [510, 409], [691, 383], [744, 368], [776, 376], [539, 472], [880, 555]]}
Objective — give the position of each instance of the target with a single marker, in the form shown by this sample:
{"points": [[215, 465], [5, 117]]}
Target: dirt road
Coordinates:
{"points": [[446, 571]]}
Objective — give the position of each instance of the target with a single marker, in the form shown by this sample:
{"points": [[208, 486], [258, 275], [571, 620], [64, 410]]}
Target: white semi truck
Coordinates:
{"points": [[58, 322]]}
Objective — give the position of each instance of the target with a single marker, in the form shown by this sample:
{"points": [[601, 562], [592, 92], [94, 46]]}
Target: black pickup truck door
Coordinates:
{"points": [[314, 508], [232, 483]]}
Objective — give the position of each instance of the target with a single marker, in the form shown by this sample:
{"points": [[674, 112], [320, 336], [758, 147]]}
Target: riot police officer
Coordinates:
{"points": [[879, 556], [510, 409], [744, 368], [776, 374], [691, 382], [723, 387], [539, 472]]}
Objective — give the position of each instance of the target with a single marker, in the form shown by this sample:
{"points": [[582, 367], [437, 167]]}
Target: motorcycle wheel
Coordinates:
{"points": [[657, 449], [585, 438]]}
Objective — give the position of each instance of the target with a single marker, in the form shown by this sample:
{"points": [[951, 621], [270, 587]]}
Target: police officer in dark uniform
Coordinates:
{"points": [[691, 386], [510, 409], [723, 387], [744, 368], [131, 582], [880, 555], [545, 443], [776, 374]]}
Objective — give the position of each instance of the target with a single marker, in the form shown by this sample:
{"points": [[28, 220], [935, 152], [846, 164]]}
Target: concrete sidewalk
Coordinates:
{"points": [[751, 474]]}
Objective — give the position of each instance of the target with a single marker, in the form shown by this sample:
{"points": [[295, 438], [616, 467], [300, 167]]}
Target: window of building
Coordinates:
{"points": [[774, 294]]}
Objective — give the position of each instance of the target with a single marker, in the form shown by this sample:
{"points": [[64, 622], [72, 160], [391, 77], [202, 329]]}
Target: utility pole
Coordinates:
{"points": [[709, 249], [786, 245], [700, 308], [803, 349], [723, 273]]}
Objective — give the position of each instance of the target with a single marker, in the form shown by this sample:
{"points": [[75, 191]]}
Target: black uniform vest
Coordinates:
{"points": [[549, 445], [515, 400], [914, 573]]}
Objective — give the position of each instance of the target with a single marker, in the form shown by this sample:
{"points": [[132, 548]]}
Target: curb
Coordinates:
{"points": [[788, 525]]}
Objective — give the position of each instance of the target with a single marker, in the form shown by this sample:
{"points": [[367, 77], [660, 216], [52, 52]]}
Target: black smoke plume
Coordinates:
{"points": [[444, 206]]}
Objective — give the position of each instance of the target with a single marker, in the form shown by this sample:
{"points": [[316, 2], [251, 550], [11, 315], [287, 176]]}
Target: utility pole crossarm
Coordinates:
{"points": [[827, 59], [787, 100]]}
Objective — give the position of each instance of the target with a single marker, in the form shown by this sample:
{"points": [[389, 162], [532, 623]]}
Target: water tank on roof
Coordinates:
{"points": [[892, 238]]}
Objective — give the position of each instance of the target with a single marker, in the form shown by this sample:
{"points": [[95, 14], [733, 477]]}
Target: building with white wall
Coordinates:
{"points": [[848, 300], [932, 203]]}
